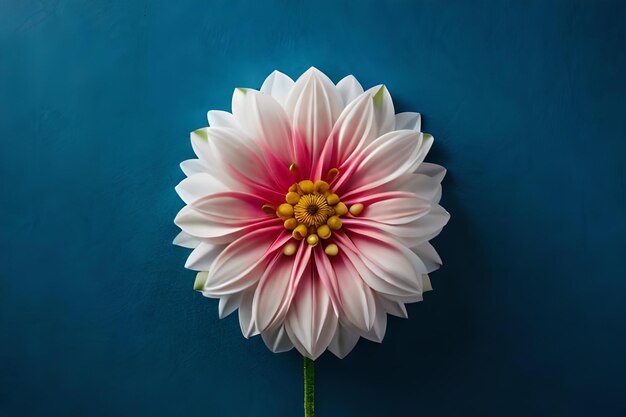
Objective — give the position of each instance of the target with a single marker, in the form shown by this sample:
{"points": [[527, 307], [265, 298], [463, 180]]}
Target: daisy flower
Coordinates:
{"points": [[309, 209]]}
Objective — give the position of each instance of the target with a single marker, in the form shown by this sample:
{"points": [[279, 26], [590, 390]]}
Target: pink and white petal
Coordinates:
{"points": [[356, 128], [228, 304], [278, 286], [246, 322], [278, 85], [313, 106], [277, 339], [234, 159], [202, 257], [192, 166], [219, 118], [394, 265], [185, 240], [383, 109], [385, 159], [399, 210], [327, 275], [358, 305], [436, 172], [344, 340], [349, 88], [429, 256], [231, 208], [393, 307], [199, 185], [264, 120], [408, 120], [311, 321], [241, 264], [377, 332]]}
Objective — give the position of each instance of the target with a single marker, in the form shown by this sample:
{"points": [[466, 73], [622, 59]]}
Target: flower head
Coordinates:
{"points": [[310, 209]]}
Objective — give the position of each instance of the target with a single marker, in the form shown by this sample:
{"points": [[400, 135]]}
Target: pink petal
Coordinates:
{"points": [[429, 256], [241, 263], [245, 313], [311, 321], [231, 208], [277, 339], [202, 257], [344, 340], [349, 88], [358, 305], [313, 106], [437, 172], [185, 240], [399, 210], [383, 109], [229, 303], [377, 332], [277, 287]]}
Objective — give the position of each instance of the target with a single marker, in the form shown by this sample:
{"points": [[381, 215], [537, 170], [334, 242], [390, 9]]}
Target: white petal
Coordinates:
{"points": [[231, 208], [427, 285], [245, 313], [278, 85], [313, 106], [377, 333], [349, 88], [264, 120], [434, 171], [228, 304], [383, 109], [277, 339], [385, 159], [408, 120], [241, 263], [356, 299], [202, 257], [185, 240], [219, 118], [311, 321], [397, 210], [395, 308], [429, 256], [343, 341], [192, 166], [199, 185]]}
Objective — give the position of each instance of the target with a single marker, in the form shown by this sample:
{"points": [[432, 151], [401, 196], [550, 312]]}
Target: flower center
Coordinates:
{"points": [[312, 210]]}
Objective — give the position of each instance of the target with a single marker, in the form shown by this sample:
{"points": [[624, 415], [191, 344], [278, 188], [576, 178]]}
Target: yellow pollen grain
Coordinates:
{"points": [[290, 249], [332, 174], [332, 250], [334, 223], [307, 186], [290, 223], [332, 199], [299, 232], [324, 231], [285, 211], [321, 186], [292, 197], [340, 209], [269, 209], [312, 240], [356, 209]]}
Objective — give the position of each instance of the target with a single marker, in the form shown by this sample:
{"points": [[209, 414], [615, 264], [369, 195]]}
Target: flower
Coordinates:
{"points": [[310, 209]]}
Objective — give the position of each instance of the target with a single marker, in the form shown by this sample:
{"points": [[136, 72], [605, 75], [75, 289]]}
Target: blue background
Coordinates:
{"points": [[526, 100]]}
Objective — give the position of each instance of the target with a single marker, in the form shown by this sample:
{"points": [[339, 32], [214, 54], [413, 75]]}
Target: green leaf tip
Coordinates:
{"points": [[201, 133], [378, 97], [201, 277], [243, 91]]}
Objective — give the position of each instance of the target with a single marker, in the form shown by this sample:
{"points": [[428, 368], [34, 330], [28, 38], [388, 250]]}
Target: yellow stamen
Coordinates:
{"points": [[285, 211], [312, 210], [290, 223], [324, 231], [340, 209], [321, 186], [293, 168], [334, 223], [300, 232], [269, 209], [312, 240], [332, 250], [307, 186], [356, 209], [290, 249], [292, 197], [332, 174], [293, 188], [332, 199]]}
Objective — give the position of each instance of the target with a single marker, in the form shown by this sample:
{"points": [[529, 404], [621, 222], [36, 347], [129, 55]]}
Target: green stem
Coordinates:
{"points": [[309, 387]]}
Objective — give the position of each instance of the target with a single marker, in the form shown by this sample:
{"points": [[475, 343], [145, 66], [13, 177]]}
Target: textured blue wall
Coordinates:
{"points": [[526, 100]]}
